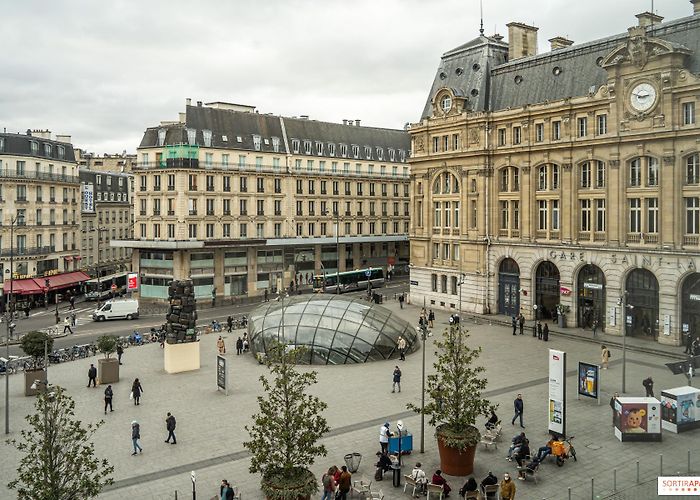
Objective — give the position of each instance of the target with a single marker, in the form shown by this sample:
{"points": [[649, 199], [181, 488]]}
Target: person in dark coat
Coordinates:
{"points": [[545, 332], [226, 491], [170, 427], [514, 324], [519, 407], [135, 436], [469, 487], [612, 406], [229, 323], [136, 390], [120, 351], [239, 346], [108, 398], [539, 330], [521, 323], [92, 376], [648, 384]]}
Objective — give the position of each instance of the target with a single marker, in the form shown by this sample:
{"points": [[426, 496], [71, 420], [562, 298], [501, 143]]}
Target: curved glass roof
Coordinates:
{"points": [[334, 329]]}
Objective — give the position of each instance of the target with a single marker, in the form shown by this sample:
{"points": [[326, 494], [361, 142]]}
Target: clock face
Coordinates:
{"points": [[643, 97]]}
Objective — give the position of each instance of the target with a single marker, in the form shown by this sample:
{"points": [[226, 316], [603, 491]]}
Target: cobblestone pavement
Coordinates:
{"points": [[210, 424]]}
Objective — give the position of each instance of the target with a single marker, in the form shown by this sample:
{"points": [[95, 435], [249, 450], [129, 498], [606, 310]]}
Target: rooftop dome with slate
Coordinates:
{"points": [[334, 329]]}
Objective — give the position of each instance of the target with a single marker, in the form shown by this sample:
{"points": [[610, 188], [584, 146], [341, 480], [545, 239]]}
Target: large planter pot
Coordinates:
{"points": [[30, 377], [108, 370], [455, 461], [298, 487], [562, 321]]}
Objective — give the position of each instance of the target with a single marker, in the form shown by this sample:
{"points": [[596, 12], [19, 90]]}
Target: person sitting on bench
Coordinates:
{"points": [[530, 468]]}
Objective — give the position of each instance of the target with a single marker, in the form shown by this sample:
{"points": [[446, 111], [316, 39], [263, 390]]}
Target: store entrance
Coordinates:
{"points": [[591, 297], [690, 306], [642, 315], [547, 290], [509, 288]]}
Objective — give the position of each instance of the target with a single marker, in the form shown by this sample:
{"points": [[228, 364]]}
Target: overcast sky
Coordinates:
{"points": [[104, 71]]}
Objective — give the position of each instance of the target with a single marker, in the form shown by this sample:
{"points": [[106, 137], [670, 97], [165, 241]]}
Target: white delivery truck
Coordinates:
{"points": [[117, 309]]}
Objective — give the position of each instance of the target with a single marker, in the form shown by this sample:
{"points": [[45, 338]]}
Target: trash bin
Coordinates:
{"points": [[352, 461], [396, 475]]}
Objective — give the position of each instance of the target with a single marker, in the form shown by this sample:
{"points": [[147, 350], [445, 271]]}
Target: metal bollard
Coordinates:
{"points": [[592, 489], [569, 493], [614, 480], [661, 464], [637, 471], [688, 461]]}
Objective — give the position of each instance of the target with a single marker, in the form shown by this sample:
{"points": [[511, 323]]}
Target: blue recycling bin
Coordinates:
{"points": [[406, 444]]}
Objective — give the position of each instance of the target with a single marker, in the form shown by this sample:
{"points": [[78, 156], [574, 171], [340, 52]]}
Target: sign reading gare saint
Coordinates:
{"points": [[687, 263]]}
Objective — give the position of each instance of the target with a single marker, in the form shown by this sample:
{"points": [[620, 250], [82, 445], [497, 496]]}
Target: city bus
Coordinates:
{"points": [[349, 280], [95, 290]]}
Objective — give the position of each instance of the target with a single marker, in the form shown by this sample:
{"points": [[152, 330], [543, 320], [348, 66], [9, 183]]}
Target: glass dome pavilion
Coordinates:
{"points": [[335, 329]]}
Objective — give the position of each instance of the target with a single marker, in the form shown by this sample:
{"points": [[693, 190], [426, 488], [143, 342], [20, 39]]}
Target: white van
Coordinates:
{"points": [[117, 309]]}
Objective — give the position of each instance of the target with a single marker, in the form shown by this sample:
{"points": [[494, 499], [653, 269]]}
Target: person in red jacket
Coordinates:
{"points": [[439, 480]]}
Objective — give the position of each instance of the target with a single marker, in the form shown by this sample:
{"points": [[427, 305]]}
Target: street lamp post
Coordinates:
{"points": [[336, 215], [459, 284], [424, 337], [623, 300], [97, 230], [9, 325]]}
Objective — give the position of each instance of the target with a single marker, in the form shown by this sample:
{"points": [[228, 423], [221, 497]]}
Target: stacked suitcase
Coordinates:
{"points": [[181, 318]]}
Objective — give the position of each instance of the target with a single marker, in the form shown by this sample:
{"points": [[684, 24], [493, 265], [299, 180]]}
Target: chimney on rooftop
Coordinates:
{"points": [[648, 19], [63, 138], [188, 102], [497, 36], [199, 104], [522, 40], [304, 117], [560, 42], [345, 122], [357, 123], [43, 134], [696, 6]]}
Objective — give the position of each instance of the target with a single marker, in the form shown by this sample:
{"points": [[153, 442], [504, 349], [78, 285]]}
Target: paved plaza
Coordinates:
{"points": [[210, 425]]}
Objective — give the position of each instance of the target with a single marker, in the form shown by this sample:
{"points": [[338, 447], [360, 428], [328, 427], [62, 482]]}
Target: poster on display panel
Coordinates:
{"points": [[637, 419], [556, 421], [589, 380], [680, 409]]}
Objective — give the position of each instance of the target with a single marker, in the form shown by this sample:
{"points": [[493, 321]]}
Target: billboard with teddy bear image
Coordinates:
{"points": [[638, 419]]}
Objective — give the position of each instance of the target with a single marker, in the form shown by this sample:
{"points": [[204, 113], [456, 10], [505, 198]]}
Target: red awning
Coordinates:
{"points": [[68, 258], [21, 287], [65, 280], [77, 257]]}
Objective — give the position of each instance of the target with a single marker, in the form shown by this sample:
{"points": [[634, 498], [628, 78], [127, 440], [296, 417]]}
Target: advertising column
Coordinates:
{"points": [[556, 423]]}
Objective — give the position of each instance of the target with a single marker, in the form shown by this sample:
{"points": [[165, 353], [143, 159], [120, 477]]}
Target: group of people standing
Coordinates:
{"points": [[539, 330]]}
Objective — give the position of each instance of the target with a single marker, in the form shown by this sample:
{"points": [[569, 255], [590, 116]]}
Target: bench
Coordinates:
{"points": [[490, 492], [376, 495], [471, 495], [525, 472], [361, 488], [496, 432]]}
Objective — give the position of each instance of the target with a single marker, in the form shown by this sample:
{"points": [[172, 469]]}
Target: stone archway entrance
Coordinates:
{"points": [[509, 288], [690, 306], [591, 297], [547, 290]]}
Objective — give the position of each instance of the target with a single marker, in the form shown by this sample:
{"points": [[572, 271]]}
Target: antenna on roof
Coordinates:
{"points": [[481, 13]]}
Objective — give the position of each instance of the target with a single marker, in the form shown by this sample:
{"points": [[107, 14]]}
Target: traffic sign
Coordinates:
{"points": [[193, 476], [132, 281], [368, 272]]}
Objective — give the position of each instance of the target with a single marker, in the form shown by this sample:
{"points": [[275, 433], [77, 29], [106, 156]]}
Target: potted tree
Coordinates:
{"points": [[108, 367], [562, 310], [455, 401], [36, 345], [285, 432]]}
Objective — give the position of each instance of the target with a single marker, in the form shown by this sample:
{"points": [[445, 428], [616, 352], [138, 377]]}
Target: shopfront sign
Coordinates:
{"points": [[694, 296], [88, 198], [565, 291], [588, 380], [593, 286], [132, 281], [556, 421]]}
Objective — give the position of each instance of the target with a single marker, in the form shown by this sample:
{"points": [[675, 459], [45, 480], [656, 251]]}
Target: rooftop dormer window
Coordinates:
{"points": [[368, 152], [319, 148], [34, 147], [355, 151], [257, 142], [206, 135], [47, 149], [402, 155], [344, 150], [331, 149], [295, 146], [276, 144], [191, 136], [380, 154], [392, 154], [161, 136], [307, 147]]}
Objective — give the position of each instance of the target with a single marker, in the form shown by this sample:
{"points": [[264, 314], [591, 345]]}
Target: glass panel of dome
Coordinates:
{"points": [[319, 355], [336, 358], [368, 335], [360, 350], [375, 355]]}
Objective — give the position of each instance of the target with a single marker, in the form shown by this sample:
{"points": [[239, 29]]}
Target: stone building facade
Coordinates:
{"points": [[569, 178], [40, 192], [106, 214], [242, 202]]}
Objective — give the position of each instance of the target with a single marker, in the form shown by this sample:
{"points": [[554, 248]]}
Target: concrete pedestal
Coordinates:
{"points": [[181, 357]]}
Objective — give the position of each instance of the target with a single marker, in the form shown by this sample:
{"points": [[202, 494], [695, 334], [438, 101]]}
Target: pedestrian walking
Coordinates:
{"points": [[539, 331], [648, 384], [72, 303], [66, 326], [401, 344], [73, 321], [329, 485], [170, 427], [26, 311], [226, 491], [595, 327], [507, 488], [384, 437], [521, 323], [688, 343], [92, 375], [266, 296], [135, 436], [604, 356], [431, 318], [519, 407], [612, 406], [397, 379], [401, 299], [221, 346], [108, 398], [120, 351], [545, 332], [136, 391], [514, 324], [344, 484], [239, 346]]}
